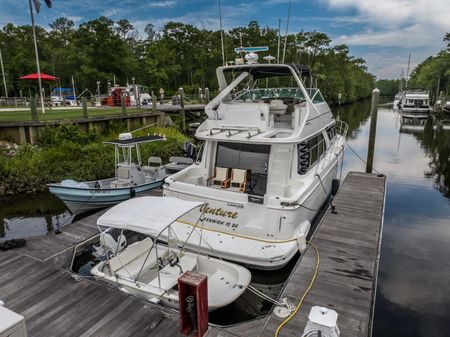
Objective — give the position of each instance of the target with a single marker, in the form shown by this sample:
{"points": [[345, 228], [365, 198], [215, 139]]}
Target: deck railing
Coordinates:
{"points": [[341, 128]]}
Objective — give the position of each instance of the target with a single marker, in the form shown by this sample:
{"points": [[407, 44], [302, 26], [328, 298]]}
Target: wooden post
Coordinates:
{"points": [[183, 115], [122, 103], [372, 130], [154, 102], [84, 107], [200, 95], [33, 107], [206, 95]]}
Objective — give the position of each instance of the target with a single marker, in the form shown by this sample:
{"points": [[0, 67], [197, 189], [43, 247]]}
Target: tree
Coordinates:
{"points": [[124, 27]]}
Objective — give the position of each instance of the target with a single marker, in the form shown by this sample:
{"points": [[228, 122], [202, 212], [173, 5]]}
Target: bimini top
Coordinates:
{"points": [[268, 70], [147, 215], [137, 140]]}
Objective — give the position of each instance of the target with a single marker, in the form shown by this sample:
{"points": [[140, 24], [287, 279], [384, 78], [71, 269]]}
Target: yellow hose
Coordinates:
{"points": [[316, 270]]}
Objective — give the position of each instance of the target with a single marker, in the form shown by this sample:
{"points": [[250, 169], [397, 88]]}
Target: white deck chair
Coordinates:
{"points": [[239, 177], [222, 176]]}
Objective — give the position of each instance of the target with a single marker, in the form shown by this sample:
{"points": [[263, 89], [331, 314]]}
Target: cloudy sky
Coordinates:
{"points": [[383, 32]]}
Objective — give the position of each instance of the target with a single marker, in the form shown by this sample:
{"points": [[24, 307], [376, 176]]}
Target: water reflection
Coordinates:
{"points": [[413, 296], [28, 215]]}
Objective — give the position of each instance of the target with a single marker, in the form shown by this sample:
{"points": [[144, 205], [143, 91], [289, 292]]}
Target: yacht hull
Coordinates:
{"points": [[251, 251]]}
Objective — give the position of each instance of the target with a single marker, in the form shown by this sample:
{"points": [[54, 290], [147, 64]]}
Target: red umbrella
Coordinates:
{"points": [[44, 77]]}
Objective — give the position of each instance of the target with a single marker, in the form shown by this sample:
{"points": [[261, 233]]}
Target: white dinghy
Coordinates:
{"points": [[150, 270]]}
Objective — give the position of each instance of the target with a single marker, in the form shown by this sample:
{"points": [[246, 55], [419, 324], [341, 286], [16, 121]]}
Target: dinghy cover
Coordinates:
{"points": [[147, 215]]}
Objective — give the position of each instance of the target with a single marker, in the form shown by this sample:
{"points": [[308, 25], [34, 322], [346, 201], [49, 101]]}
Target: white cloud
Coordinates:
{"points": [[397, 12], [414, 26], [162, 4]]}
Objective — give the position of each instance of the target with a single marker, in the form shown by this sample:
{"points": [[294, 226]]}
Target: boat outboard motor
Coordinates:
{"points": [[109, 245]]}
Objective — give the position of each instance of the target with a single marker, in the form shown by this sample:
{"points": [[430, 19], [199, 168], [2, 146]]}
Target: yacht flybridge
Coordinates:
{"points": [[270, 155]]}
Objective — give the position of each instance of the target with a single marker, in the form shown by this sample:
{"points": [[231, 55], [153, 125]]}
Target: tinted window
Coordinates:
{"points": [[243, 156]]}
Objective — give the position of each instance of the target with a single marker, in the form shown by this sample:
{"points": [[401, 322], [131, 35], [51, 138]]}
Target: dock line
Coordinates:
{"points": [[313, 279]]}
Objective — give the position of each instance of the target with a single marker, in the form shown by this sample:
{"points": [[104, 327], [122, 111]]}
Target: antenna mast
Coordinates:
{"points": [[407, 71], [221, 34], [279, 40], [287, 28]]}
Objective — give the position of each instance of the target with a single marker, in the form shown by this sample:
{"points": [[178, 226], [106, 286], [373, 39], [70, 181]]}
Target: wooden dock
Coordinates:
{"points": [[349, 245], [34, 282]]}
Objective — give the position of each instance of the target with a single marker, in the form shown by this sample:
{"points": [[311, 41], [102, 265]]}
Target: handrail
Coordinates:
{"points": [[341, 128]]}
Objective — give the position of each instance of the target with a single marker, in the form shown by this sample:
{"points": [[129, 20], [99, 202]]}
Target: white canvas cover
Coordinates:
{"points": [[147, 215]]}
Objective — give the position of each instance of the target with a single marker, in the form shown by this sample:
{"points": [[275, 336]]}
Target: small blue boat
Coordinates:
{"points": [[131, 178]]}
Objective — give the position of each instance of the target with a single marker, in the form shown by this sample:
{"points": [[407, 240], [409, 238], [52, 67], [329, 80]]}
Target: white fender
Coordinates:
{"points": [[303, 230]]}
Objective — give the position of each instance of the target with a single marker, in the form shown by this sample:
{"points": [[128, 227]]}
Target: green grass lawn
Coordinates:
{"points": [[52, 115]]}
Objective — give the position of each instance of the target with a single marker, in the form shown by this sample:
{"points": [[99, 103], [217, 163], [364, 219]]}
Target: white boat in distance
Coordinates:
{"points": [[150, 270], [131, 178], [415, 103], [270, 155]]}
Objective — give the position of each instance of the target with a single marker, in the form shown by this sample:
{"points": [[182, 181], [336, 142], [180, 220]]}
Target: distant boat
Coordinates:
{"points": [[415, 103], [63, 96], [149, 269], [131, 178]]}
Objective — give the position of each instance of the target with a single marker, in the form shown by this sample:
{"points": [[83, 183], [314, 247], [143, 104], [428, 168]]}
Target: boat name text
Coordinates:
{"points": [[219, 212]]}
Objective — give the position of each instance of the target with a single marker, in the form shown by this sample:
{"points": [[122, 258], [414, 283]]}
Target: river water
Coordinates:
{"points": [[413, 296]]}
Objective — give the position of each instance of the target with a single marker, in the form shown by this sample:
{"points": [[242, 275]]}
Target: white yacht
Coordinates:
{"points": [[415, 103], [270, 155]]}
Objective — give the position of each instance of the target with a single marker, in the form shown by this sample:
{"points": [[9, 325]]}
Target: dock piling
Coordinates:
{"points": [[33, 107], [373, 129], [154, 99], [84, 107], [183, 114], [122, 103], [206, 95]]}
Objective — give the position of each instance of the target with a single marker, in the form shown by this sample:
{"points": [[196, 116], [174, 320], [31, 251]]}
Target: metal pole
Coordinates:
{"points": [[221, 34], [407, 71], [73, 90], [183, 115], [373, 129], [3, 73], [37, 57], [287, 30], [279, 40]]}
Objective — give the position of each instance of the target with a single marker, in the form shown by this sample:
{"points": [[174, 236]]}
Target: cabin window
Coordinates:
{"points": [[318, 98], [251, 157], [310, 152]]}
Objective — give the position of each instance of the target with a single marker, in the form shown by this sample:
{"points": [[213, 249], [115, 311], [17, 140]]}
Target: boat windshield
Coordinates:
{"points": [[262, 94], [266, 94]]}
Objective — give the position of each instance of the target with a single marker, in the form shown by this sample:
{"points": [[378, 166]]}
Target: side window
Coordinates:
{"points": [[318, 97], [310, 152]]}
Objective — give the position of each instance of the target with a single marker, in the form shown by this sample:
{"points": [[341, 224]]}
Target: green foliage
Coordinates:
{"points": [[434, 72], [177, 55], [65, 154], [52, 136], [388, 87]]}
